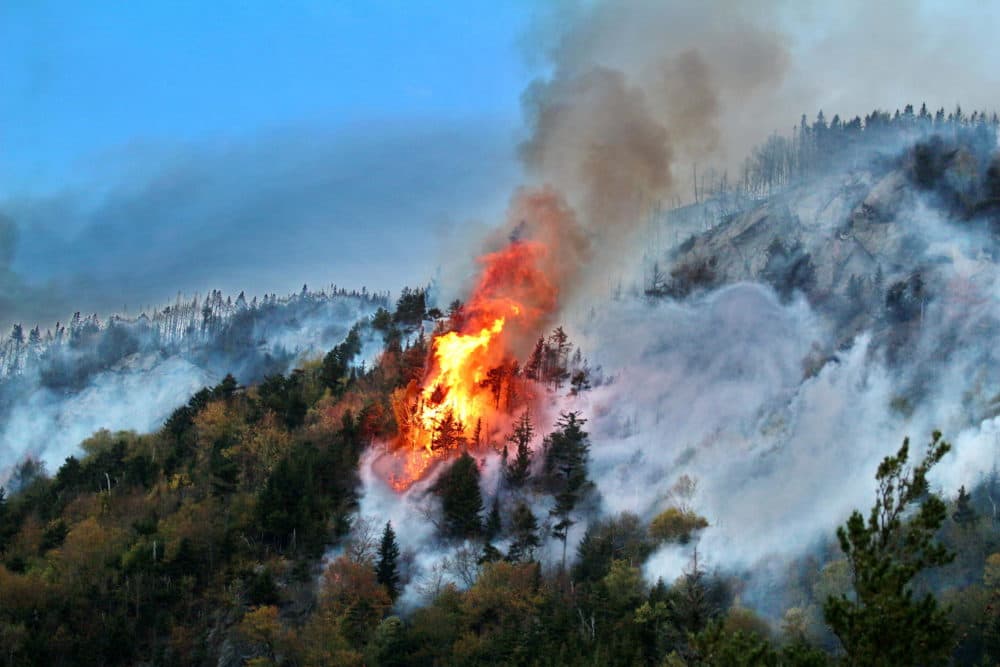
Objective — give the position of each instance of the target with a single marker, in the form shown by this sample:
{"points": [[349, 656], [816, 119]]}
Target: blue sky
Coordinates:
{"points": [[82, 78], [148, 148]]}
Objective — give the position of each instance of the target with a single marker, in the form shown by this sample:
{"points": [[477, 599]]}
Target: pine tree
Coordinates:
{"points": [[461, 499], [883, 624], [387, 569], [518, 470]]}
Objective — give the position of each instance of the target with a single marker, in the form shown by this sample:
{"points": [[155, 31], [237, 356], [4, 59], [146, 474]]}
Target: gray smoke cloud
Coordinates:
{"points": [[362, 206], [636, 93], [17, 297]]}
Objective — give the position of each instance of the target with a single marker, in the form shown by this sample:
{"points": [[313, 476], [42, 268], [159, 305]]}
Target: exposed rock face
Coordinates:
{"points": [[902, 251]]}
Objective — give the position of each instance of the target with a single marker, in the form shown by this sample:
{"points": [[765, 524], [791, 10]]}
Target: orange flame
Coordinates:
{"points": [[471, 367], [472, 380], [460, 373]]}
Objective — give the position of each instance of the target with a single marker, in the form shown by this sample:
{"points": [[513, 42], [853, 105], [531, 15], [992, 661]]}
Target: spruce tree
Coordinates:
{"points": [[387, 569], [524, 527], [567, 451], [461, 499], [883, 624], [691, 605]]}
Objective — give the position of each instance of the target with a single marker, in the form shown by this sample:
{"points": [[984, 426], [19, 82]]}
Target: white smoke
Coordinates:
{"points": [[46, 411], [136, 397]]}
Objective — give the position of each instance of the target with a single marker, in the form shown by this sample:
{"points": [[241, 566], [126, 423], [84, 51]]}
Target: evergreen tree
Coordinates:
{"points": [[519, 469], [387, 569], [491, 529], [556, 358], [883, 624], [490, 554], [964, 514], [579, 382], [524, 528], [533, 369], [691, 604], [566, 457], [461, 499], [493, 523]]}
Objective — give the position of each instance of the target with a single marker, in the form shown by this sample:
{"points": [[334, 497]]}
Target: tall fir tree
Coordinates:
{"points": [[387, 568]]}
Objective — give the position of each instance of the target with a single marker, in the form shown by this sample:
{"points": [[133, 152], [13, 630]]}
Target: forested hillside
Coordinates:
{"points": [[585, 524], [130, 372]]}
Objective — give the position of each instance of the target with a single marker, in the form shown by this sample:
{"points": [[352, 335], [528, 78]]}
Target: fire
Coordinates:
{"points": [[472, 375], [473, 379], [460, 371]]}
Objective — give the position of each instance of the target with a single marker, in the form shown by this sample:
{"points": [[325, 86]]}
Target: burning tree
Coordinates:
{"points": [[473, 380]]}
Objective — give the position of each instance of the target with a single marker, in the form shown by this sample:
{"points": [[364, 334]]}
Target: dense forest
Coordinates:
{"points": [[201, 542], [232, 535]]}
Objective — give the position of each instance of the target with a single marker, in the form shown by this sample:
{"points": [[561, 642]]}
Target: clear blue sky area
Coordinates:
{"points": [[150, 147], [81, 77]]}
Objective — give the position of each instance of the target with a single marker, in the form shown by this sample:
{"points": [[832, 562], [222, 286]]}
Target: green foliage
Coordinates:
{"points": [[387, 568], [411, 308], [964, 514], [337, 361], [621, 537], [524, 534], [883, 624], [296, 506], [389, 645], [461, 499], [567, 453], [693, 604], [172, 547], [283, 396]]}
